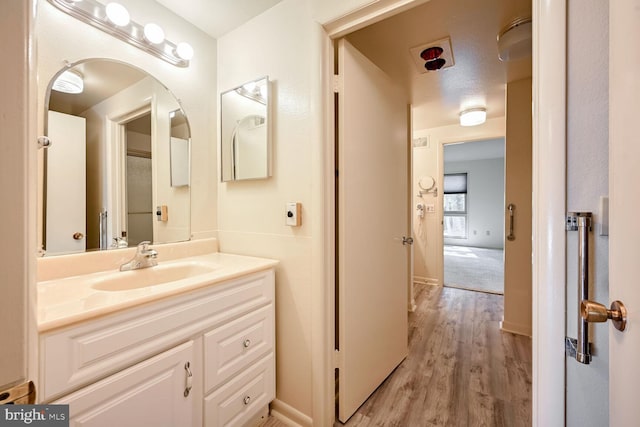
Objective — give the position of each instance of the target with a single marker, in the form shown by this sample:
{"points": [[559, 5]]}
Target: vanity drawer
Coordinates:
{"points": [[243, 397], [78, 355], [233, 346]]}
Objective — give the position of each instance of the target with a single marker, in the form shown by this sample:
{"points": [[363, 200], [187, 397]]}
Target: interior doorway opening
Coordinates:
{"points": [[473, 215]]}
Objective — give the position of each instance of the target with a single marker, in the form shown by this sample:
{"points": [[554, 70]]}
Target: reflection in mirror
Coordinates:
{"points": [[245, 143], [112, 166], [179, 149]]}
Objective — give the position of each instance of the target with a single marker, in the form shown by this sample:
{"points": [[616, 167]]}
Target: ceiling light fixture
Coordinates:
{"points": [[69, 82], [514, 41], [114, 19], [473, 116]]}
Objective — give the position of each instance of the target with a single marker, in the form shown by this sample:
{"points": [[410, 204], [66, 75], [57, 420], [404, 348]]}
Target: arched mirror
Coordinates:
{"points": [[117, 171], [244, 132]]}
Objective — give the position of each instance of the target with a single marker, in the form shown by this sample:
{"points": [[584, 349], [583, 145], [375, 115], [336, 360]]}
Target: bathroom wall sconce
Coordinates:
{"points": [[114, 19], [473, 116]]}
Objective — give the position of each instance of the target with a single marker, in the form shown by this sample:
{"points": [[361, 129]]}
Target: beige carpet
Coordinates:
{"points": [[477, 269]]}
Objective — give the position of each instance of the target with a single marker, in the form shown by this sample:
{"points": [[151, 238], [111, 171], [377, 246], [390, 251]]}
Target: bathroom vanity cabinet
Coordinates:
{"points": [[203, 358]]}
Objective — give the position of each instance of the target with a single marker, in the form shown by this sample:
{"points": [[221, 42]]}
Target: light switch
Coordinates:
{"points": [[162, 213], [293, 214]]}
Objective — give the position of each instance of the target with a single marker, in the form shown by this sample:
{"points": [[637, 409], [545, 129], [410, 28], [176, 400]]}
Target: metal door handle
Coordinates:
{"points": [[595, 312], [511, 237], [407, 240], [189, 379], [78, 236]]}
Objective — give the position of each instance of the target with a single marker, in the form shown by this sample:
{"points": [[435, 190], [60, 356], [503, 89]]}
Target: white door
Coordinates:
{"points": [[151, 393], [372, 220], [66, 184], [624, 198]]}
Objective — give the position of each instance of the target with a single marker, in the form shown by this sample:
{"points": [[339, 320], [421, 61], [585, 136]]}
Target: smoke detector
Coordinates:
{"points": [[433, 56]]}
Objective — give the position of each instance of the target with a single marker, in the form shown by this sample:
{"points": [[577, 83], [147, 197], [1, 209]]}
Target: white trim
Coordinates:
{"points": [[374, 12], [549, 205], [322, 263], [289, 415], [515, 328]]}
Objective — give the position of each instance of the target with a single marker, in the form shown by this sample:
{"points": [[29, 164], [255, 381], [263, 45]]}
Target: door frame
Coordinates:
{"points": [[549, 201]]}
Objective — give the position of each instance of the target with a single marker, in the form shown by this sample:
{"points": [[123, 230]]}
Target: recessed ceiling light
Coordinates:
{"points": [[473, 116]]}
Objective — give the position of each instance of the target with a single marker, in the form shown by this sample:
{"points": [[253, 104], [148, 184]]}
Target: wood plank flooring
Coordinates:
{"points": [[461, 369]]}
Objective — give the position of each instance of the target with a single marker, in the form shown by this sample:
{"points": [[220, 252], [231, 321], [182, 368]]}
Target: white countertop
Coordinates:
{"points": [[68, 300]]}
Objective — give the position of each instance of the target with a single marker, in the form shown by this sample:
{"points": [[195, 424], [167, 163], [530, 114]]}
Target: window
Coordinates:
{"points": [[455, 205]]}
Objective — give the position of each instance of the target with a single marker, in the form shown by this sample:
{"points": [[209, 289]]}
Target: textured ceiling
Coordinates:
{"points": [[478, 78], [217, 17]]}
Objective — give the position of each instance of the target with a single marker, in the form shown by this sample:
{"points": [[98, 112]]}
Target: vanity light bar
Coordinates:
{"points": [[94, 13]]}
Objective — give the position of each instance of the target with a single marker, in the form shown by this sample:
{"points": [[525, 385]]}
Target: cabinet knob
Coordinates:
{"points": [[246, 343], [247, 400]]}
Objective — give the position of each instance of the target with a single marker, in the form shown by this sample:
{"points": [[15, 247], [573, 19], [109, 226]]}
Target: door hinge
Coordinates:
{"points": [[336, 359], [336, 83]]}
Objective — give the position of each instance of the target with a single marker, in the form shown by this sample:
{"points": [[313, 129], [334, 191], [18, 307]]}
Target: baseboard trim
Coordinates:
{"points": [[289, 415], [419, 280], [515, 328]]}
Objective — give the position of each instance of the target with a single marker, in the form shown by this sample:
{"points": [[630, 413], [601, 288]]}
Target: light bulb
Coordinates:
{"points": [[473, 116], [118, 14], [184, 51], [69, 82], [153, 33]]}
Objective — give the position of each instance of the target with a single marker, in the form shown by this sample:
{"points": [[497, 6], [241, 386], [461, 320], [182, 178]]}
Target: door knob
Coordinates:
{"points": [[78, 236], [596, 312]]}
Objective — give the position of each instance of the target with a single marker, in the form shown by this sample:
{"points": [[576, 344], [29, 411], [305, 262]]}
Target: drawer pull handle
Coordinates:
{"points": [[246, 343], [247, 400], [187, 389]]}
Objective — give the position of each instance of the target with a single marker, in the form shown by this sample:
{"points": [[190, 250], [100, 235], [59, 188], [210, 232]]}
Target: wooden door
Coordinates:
{"points": [[66, 184], [624, 199], [518, 189], [372, 220]]}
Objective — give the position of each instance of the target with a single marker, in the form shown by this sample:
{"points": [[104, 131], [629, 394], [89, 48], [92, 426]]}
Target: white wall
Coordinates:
{"points": [[283, 43], [587, 180], [485, 202], [63, 38], [427, 232]]}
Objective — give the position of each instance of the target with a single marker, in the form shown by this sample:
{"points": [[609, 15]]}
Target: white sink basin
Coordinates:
{"points": [[151, 276]]}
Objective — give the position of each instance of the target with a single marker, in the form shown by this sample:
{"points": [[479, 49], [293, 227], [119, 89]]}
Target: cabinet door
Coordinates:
{"points": [[150, 393]]}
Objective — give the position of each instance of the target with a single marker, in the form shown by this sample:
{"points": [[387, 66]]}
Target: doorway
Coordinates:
{"points": [[377, 44], [138, 182], [473, 215]]}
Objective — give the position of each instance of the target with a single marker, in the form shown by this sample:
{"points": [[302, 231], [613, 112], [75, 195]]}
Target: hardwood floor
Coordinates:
{"points": [[461, 369]]}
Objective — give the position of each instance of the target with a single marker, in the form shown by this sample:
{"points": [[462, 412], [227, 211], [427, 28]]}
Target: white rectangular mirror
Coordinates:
{"points": [[245, 147]]}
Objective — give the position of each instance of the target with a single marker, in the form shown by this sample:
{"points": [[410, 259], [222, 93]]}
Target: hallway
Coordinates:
{"points": [[461, 370]]}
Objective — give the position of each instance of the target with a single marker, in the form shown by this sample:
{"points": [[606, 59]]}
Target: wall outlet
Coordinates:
{"points": [[293, 217]]}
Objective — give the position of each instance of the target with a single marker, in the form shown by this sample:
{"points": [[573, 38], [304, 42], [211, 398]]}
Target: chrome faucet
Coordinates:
{"points": [[143, 258]]}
